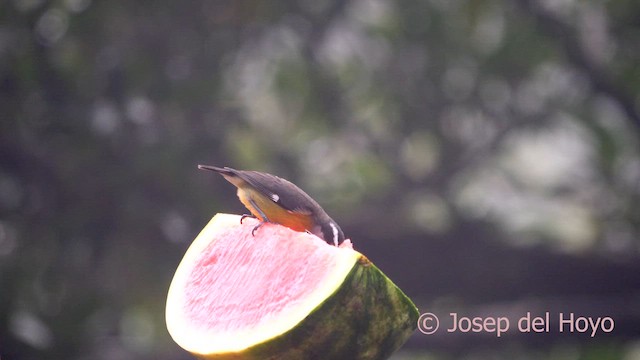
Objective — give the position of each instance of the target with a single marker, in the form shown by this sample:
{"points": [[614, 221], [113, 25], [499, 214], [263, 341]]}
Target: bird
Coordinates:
{"points": [[272, 199]]}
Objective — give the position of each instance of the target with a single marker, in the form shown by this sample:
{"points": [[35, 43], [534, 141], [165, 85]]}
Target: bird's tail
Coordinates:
{"points": [[224, 171]]}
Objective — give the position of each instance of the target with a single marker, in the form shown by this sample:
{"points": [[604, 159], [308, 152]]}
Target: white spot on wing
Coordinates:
{"points": [[334, 228], [275, 197]]}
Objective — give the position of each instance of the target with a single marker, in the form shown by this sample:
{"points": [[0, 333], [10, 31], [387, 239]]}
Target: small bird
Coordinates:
{"points": [[273, 199]]}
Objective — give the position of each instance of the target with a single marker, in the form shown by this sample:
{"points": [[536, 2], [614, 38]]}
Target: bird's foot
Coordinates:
{"points": [[246, 216], [253, 232]]}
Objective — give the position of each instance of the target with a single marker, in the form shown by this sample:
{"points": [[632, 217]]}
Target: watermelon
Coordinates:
{"points": [[282, 294]]}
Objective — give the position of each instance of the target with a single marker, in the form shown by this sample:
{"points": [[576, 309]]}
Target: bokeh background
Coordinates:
{"points": [[484, 154]]}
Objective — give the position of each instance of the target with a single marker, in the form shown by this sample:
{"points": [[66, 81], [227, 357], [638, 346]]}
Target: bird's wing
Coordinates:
{"points": [[282, 192]]}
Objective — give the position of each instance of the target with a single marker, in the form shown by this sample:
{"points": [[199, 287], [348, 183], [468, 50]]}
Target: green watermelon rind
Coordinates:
{"points": [[367, 318]]}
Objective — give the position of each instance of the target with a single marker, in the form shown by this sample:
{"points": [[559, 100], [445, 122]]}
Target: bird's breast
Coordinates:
{"points": [[274, 212]]}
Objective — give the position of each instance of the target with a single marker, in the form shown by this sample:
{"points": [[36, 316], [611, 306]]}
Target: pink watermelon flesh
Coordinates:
{"points": [[220, 283], [232, 283]]}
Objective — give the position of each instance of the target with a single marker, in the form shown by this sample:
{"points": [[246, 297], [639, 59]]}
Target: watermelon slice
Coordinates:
{"points": [[282, 295]]}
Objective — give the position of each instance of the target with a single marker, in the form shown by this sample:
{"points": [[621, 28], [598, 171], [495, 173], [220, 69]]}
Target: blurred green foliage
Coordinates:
{"points": [[482, 153]]}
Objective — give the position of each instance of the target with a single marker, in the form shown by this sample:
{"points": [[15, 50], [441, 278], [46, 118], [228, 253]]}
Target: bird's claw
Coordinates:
{"points": [[246, 216], [253, 232]]}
